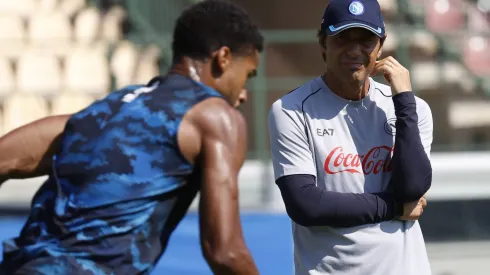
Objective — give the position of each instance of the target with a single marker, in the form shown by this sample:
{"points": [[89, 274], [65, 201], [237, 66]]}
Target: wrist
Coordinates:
{"points": [[398, 208], [407, 92], [404, 102]]}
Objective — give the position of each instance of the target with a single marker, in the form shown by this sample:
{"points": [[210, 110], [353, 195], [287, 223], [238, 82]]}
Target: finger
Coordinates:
{"points": [[396, 65], [386, 62], [386, 70], [383, 67], [394, 61]]}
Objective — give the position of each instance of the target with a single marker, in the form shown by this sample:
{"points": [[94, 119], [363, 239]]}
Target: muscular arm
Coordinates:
{"points": [[223, 149], [27, 151]]}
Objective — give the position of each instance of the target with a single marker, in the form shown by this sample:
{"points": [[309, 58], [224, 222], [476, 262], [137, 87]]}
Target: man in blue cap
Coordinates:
{"points": [[351, 155]]}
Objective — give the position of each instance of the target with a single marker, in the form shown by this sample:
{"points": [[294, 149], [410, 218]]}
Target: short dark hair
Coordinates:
{"points": [[209, 25]]}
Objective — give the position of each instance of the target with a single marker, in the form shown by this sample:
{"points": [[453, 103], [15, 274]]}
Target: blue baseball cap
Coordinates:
{"points": [[341, 15]]}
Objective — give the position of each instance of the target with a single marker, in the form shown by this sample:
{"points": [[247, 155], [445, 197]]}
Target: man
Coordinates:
{"points": [[126, 169], [352, 185]]}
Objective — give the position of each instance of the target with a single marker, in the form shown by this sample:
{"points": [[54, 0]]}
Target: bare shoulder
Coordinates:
{"points": [[211, 123], [215, 117]]}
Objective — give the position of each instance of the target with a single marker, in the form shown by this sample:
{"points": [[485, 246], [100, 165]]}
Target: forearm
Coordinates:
{"points": [[309, 205], [27, 151], [412, 171], [234, 262]]}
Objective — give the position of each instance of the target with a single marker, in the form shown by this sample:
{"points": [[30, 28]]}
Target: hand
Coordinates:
{"points": [[395, 74], [413, 210]]}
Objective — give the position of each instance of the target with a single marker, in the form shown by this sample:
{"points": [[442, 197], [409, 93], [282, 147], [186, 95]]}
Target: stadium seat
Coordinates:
{"points": [[484, 6], [87, 25], [146, 71], [477, 55], [47, 5], [20, 109], [454, 74], [151, 52], [148, 64], [87, 71], [38, 73], [425, 76], [123, 63], [478, 21], [416, 8], [7, 78], [112, 24], [444, 16], [423, 46], [50, 30], [69, 103], [71, 7], [391, 43], [389, 8], [469, 114], [18, 7], [12, 36]]}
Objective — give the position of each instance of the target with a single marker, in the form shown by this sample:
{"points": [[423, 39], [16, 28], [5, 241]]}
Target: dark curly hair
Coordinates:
{"points": [[209, 25]]}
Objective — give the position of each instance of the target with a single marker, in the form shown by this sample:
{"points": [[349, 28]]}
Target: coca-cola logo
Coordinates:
{"points": [[375, 161]]}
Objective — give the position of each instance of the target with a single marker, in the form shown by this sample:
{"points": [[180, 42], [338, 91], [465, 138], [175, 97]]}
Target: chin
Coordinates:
{"points": [[354, 78], [360, 75]]}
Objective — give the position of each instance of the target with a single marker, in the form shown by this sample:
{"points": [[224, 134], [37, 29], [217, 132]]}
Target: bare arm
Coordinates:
{"points": [[27, 151], [223, 149]]}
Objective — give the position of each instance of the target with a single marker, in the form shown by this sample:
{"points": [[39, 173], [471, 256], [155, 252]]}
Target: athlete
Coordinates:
{"points": [[123, 171], [351, 155]]}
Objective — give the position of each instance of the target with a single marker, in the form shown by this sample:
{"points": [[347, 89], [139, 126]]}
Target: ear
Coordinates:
{"points": [[223, 58], [380, 51], [323, 46]]}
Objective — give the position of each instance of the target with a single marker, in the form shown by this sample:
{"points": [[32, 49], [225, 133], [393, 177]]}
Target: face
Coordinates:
{"points": [[242, 98], [351, 55], [234, 72]]}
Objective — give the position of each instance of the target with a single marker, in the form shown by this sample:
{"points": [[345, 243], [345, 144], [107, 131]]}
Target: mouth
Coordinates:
{"points": [[353, 65]]}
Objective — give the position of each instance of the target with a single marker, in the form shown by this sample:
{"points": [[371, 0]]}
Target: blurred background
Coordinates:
{"points": [[57, 56]]}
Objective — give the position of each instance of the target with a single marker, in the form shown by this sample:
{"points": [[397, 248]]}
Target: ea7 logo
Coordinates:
{"points": [[324, 132]]}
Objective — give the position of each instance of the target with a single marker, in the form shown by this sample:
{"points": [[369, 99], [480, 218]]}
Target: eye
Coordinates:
{"points": [[252, 74]]}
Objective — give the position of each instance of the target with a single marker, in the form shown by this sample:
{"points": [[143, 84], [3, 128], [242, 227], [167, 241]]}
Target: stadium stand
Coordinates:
{"points": [[15, 107], [7, 77], [38, 72], [55, 54]]}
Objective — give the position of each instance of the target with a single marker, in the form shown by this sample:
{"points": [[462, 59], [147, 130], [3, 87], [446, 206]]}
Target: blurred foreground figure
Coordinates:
{"points": [[123, 171]]}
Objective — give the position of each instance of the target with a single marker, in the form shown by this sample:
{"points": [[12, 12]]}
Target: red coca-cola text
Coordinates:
{"points": [[376, 160]]}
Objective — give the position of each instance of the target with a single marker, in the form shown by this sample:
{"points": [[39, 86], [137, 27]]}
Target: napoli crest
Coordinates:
{"points": [[390, 126], [356, 8]]}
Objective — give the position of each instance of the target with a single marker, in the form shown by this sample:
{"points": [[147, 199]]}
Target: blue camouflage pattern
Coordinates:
{"points": [[119, 185]]}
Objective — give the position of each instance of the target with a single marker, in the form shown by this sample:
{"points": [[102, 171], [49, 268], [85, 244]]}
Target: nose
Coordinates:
{"points": [[354, 49], [242, 97]]}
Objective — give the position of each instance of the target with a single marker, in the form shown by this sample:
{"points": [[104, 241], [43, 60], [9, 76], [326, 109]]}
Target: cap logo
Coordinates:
{"points": [[356, 8]]}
